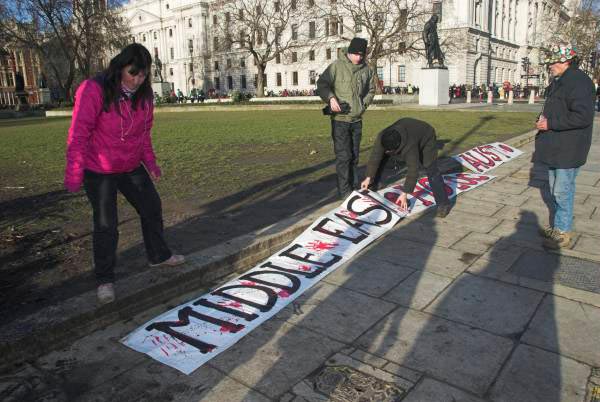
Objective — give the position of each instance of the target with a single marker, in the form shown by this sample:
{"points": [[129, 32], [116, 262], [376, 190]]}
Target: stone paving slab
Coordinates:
{"points": [[554, 268], [537, 195], [589, 226], [475, 206], [520, 233], [496, 197], [471, 222], [487, 304], [460, 355], [339, 313], [535, 375], [439, 260], [372, 277], [430, 390], [418, 290], [567, 327], [275, 356], [505, 187], [588, 244], [430, 231], [476, 243]]}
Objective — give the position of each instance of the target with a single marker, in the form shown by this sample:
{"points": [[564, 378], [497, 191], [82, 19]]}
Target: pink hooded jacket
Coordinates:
{"points": [[107, 142]]}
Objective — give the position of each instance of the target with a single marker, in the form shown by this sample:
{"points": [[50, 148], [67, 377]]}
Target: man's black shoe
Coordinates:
{"points": [[443, 210]]}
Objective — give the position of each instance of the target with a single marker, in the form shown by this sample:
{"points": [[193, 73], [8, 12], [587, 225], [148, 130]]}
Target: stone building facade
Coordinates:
{"points": [[490, 38]]}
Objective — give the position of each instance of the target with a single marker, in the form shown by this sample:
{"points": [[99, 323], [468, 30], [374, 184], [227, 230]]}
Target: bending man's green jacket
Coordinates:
{"points": [[350, 83], [418, 148]]}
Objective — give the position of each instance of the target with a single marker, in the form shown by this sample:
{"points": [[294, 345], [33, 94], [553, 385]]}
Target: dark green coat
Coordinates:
{"points": [[350, 83]]}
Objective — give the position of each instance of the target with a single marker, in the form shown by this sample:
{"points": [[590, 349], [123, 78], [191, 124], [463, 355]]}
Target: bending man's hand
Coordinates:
{"points": [[402, 201], [335, 106], [365, 184], [542, 123]]}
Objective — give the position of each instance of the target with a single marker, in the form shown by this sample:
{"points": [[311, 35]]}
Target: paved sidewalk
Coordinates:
{"points": [[468, 308]]}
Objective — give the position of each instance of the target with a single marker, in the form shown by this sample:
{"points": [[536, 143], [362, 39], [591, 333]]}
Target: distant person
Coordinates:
{"points": [[180, 97], [564, 138], [414, 142], [348, 87], [109, 149]]}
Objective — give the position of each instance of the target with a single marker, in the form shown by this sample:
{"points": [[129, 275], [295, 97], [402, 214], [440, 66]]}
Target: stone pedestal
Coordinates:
{"points": [[161, 88], [511, 97], [44, 96], [490, 97], [433, 89], [468, 96], [532, 97]]}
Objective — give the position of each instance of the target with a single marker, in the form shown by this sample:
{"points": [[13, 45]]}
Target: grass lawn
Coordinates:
{"points": [[224, 174], [217, 153]]}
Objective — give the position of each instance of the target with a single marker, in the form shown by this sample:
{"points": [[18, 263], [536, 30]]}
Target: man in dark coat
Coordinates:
{"points": [[414, 142], [564, 138]]}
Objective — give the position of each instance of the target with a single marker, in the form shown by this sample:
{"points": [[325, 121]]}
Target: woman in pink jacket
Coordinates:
{"points": [[108, 149]]}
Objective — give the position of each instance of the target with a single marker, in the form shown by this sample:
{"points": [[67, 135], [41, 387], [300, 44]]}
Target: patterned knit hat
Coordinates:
{"points": [[560, 53]]}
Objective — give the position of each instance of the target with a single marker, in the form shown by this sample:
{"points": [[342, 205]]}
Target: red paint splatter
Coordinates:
{"points": [[248, 283], [368, 200], [349, 213], [304, 268], [284, 294], [234, 304], [318, 245]]}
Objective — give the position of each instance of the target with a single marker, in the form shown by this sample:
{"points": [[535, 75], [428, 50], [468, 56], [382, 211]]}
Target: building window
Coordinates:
{"points": [[328, 54], [326, 27], [172, 51], [312, 29], [278, 79], [341, 25], [144, 38], [295, 78], [215, 43], [311, 55], [358, 24], [229, 82], [294, 32], [380, 73], [228, 63], [167, 6], [189, 23], [191, 46], [216, 65], [241, 15], [277, 58], [217, 83], [294, 57], [243, 80], [401, 73], [171, 72], [154, 34], [227, 17], [191, 67], [243, 63], [215, 20], [294, 4], [170, 33], [277, 6], [312, 76], [311, 3]]}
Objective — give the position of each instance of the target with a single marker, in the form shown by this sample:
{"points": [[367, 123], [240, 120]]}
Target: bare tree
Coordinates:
{"points": [[393, 26], [71, 36], [264, 29], [582, 29]]}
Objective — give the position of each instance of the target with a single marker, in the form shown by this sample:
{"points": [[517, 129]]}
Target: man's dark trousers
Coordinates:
{"points": [[346, 145]]}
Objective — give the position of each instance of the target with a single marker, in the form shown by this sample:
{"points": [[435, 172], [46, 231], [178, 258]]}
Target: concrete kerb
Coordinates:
{"points": [[58, 325]]}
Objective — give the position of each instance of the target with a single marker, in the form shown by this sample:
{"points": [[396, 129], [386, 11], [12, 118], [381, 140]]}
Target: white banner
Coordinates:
{"points": [[189, 335], [486, 157]]}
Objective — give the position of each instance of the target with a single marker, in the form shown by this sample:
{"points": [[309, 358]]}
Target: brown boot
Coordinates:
{"points": [[546, 232], [558, 240]]}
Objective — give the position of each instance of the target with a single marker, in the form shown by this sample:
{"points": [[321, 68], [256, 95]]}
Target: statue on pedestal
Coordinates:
{"points": [[157, 69], [20, 92], [432, 43]]}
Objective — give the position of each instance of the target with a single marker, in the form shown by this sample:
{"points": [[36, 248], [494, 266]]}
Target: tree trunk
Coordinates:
{"points": [[260, 83]]}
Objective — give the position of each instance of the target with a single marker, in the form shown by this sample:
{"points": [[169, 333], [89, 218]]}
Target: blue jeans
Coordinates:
{"points": [[562, 189]]}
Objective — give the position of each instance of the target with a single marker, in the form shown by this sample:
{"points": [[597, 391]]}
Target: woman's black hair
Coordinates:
{"points": [[136, 56]]}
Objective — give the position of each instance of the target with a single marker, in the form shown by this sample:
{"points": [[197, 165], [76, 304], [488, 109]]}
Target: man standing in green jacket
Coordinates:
{"points": [[348, 87]]}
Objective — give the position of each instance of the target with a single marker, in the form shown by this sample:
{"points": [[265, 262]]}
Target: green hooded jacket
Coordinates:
{"points": [[350, 83]]}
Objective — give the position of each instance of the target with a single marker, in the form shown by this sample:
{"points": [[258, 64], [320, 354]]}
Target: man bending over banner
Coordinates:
{"points": [[414, 142]]}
